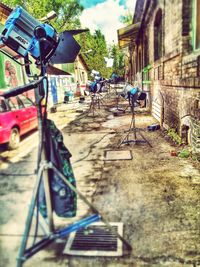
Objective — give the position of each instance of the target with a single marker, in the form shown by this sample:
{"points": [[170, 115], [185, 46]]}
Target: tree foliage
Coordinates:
{"points": [[68, 12], [118, 56], [127, 19], [95, 59]]}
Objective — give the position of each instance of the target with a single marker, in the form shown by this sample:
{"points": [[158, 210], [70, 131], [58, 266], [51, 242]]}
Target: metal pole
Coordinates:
{"points": [[20, 258]]}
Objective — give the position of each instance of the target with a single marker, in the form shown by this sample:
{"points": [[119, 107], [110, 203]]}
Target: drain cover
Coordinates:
{"points": [[95, 240], [118, 155]]}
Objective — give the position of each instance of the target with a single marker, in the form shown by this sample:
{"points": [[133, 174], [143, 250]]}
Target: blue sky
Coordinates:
{"points": [[105, 15], [92, 3]]}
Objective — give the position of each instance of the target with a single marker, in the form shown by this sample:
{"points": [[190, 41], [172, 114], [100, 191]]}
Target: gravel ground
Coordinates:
{"points": [[155, 195]]}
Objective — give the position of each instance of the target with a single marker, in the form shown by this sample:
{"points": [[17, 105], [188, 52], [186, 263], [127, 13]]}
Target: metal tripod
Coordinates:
{"points": [[43, 167], [96, 102], [133, 130]]}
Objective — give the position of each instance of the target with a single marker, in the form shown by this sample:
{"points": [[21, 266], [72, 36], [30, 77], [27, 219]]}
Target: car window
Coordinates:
{"points": [[3, 106], [12, 102], [26, 101], [20, 103]]}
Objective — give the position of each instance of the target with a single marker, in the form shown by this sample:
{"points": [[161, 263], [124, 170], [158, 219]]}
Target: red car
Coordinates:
{"points": [[18, 115]]}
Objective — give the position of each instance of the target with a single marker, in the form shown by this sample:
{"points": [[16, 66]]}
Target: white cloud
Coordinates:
{"points": [[105, 16], [130, 4]]}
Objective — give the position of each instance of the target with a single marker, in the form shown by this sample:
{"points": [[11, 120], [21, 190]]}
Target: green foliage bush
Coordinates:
{"points": [[184, 153], [174, 136]]}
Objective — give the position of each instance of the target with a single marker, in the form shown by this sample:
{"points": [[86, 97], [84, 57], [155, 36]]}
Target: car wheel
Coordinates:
{"points": [[14, 139]]}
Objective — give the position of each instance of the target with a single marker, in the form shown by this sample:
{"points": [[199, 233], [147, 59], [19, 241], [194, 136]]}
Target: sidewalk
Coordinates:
{"points": [[155, 195]]}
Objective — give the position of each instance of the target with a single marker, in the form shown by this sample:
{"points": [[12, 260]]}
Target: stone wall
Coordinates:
{"points": [[175, 76], [172, 26], [195, 135]]}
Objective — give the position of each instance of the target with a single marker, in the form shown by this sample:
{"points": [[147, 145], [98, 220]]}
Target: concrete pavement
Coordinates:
{"points": [[155, 195]]}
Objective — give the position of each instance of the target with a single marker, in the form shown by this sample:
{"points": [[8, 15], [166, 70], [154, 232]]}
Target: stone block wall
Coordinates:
{"points": [[195, 135], [172, 26], [176, 76]]}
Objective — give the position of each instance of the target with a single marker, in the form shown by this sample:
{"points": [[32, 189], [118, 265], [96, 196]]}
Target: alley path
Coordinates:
{"points": [[155, 195]]}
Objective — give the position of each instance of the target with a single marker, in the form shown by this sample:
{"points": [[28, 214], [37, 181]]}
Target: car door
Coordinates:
{"points": [[31, 110], [6, 121], [21, 114]]}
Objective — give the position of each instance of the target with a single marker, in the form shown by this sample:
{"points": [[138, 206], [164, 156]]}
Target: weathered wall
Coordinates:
{"points": [[175, 77], [172, 26]]}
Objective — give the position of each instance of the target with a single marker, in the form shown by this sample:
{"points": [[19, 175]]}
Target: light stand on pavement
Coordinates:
{"points": [[133, 130], [45, 50]]}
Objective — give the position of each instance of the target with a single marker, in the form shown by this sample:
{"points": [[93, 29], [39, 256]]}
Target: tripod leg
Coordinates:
{"points": [[47, 190], [117, 102], [98, 101], [102, 102], [93, 107], [123, 139], [90, 108], [20, 258], [145, 139], [131, 129], [88, 203]]}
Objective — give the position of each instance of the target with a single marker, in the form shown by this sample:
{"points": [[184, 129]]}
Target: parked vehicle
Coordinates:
{"points": [[18, 115]]}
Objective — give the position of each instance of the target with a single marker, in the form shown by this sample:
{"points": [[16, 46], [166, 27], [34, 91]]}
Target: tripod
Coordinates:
{"points": [[96, 102], [42, 46], [42, 174], [133, 130], [44, 166]]}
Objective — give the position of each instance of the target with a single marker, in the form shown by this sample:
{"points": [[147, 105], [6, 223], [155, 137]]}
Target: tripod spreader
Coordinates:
{"points": [[47, 240]]}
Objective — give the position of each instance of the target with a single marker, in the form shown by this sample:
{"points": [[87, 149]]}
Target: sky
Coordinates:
{"points": [[105, 15]]}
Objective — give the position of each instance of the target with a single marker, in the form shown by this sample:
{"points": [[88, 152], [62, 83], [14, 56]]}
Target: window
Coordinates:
{"points": [[139, 60], [3, 106], [196, 24], [158, 35], [26, 101], [146, 51], [83, 77], [12, 103]]}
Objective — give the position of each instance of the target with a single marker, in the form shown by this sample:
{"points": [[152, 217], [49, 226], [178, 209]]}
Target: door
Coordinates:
{"points": [[31, 112]]}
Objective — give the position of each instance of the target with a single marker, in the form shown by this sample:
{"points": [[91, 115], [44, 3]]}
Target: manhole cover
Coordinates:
{"points": [[95, 240], [118, 155]]}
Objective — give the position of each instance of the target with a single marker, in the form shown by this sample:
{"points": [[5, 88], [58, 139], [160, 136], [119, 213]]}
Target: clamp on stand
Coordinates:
{"points": [[43, 166], [96, 102], [133, 130], [44, 46]]}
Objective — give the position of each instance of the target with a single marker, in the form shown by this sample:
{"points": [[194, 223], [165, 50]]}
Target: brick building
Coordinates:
{"points": [[164, 53]]}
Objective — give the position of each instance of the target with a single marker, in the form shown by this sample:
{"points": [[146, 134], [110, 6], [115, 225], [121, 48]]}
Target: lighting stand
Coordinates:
{"points": [[108, 90], [43, 166], [133, 130], [96, 102], [117, 103]]}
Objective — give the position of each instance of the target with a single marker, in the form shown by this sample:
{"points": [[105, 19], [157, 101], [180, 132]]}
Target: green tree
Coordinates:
{"points": [[118, 56], [68, 11], [128, 18], [68, 18], [95, 60]]}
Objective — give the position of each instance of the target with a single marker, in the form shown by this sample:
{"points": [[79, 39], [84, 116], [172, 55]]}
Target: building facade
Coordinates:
{"points": [[81, 74], [11, 74], [164, 51]]}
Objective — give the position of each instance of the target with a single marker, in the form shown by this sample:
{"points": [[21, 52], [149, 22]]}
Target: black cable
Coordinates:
{"points": [[20, 235], [16, 174], [37, 220], [91, 147]]}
